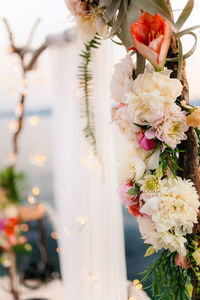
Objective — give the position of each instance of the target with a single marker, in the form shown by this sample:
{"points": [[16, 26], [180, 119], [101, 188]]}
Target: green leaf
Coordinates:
{"points": [[120, 18], [140, 64], [132, 16], [133, 191], [163, 4], [111, 10], [103, 3], [185, 13], [152, 7], [150, 251]]}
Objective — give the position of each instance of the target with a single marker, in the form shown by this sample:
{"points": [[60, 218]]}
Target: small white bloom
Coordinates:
{"points": [[11, 211], [131, 166], [121, 82], [171, 128]]}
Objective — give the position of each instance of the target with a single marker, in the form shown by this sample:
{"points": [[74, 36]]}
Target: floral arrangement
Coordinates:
{"points": [[159, 172]]}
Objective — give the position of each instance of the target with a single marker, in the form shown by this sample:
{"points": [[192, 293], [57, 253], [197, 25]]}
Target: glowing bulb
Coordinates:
{"points": [[24, 82], [131, 298], [67, 232], [9, 49], [82, 219], [136, 281], [10, 79], [24, 227], [41, 208], [139, 286], [38, 159], [12, 157], [90, 161], [13, 126], [34, 121], [35, 190], [19, 109], [13, 94], [54, 235], [31, 200]]}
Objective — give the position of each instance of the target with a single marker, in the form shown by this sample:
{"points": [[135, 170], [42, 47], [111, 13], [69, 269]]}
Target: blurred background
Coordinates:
{"points": [[35, 142]]}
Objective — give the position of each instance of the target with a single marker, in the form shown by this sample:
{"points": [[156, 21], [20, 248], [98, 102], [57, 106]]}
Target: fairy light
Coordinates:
{"points": [[9, 49], [31, 200], [39, 80], [24, 82], [136, 281], [24, 227], [19, 109], [59, 250], [12, 157], [54, 235], [35, 191], [13, 125], [66, 231], [90, 161], [10, 79], [41, 208], [139, 286], [13, 94], [82, 219], [34, 120], [38, 159], [131, 298]]}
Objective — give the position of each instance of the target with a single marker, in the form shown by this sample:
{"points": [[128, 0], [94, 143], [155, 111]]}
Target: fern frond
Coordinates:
{"points": [[85, 81]]}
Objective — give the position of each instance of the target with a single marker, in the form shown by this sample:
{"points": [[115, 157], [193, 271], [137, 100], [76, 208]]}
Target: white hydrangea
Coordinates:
{"points": [[122, 81], [173, 212], [131, 166]]}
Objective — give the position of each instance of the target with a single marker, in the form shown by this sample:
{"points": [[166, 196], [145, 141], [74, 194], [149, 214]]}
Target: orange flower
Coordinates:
{"points": [[151, 38], [193, 120]]}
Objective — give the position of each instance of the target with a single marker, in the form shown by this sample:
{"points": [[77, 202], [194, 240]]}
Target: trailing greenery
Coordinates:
{"points": [[9, 181], [198, 140], [169, 281], [85, 80]]}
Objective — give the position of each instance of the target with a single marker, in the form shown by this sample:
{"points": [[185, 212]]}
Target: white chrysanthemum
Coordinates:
{"points": [[122, 119], [150, 184], [131, 166], [152, 97], [171, 128], [122, 81], [91, 24], [168, 87]]}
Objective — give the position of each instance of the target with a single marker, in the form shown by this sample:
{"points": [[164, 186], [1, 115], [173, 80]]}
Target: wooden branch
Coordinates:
{"points": [[30, 38]]}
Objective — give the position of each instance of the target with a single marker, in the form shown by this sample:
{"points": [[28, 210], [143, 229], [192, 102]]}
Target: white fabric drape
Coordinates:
{"points": [[90, 217]]}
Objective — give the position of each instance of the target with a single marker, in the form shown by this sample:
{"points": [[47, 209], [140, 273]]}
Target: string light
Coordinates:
{"points": [[38, 159], [67, 232], [90, 161], [31, 200], [137, 284], [54, 235], [34, 120], [10, 79], [9, 49], [91, 278], [35, 191], [13, 94], [136, 281], [83, 219], [41, 208], [24, 227], [13, 125], [12, 157], [24, 82], [19, 109], [131, 298]]}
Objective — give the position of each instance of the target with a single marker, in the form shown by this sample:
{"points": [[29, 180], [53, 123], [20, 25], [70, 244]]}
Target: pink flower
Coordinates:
{"points": [[145, 143], [182, 261], [126, 199], [77, 7]]}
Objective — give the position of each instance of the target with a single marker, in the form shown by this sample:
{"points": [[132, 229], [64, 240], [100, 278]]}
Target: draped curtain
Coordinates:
{"points": [[90, 216]]}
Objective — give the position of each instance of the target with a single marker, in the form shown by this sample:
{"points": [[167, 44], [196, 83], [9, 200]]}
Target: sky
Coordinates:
{"points": [[21, 15]]}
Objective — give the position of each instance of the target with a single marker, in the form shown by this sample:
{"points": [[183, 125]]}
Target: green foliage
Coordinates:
{"points": [[198, 140], [85, 79], [170, 159], [169, 281], [9, 181]]}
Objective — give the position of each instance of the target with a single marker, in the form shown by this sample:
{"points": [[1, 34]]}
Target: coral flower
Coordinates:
{"points": [[145, 143], [151, 38]]}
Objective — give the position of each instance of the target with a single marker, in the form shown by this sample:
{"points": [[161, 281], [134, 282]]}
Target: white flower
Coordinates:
{"points": [[131, 167], [91, 24], [168, 87], [150, 184], [152, 97], [11, 211], [173, 212], [122, 80], [122, 119], [171, 128]]}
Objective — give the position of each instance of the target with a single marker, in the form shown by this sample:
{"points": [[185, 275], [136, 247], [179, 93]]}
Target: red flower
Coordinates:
{"points": [[151, 38], [10, 225], [134, 210]]}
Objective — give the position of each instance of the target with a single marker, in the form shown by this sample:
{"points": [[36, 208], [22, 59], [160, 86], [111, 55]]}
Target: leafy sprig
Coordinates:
{"points": [[85, 80]]}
